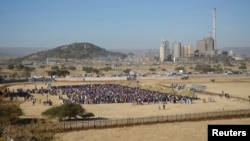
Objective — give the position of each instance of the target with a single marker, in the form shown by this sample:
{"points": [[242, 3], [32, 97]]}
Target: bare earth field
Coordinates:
{"points": [[181, 131], [236, 86]]}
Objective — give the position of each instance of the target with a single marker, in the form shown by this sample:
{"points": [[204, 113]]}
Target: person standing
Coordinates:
{"points": [[222, 93], [163, 105]]}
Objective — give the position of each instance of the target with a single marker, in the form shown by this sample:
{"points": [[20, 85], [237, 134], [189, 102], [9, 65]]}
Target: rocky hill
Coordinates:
{"points": [[75, 50], [245, 51]]}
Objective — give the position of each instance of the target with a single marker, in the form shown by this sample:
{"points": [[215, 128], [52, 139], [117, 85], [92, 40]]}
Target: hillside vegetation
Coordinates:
{"points": [[75, 50]]}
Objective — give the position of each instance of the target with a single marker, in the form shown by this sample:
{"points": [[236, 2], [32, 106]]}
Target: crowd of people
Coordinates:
{"points": [[112, 93], [104, 93]]}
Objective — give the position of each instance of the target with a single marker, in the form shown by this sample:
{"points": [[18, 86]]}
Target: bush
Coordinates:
{"points": [[67, 111]]}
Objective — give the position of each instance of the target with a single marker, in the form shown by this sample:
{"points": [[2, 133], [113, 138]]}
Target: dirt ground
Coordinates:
{"points": [[180, 131], [236, 86]]}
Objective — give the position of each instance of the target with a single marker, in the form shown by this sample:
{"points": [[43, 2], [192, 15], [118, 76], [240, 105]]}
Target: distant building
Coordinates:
{"points": [[222, 53], [55, 61], [188, 51], [29, 63], [231, 53], [177, 53], [238, 58], [206, 46], [164, 51], [150, 54]]}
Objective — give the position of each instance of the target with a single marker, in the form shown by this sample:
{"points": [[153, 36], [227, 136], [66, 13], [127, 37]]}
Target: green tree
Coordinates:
{"points": [[180, 68], [9, 114], [204, 68], [91, 69], [127, 70], [51, 72], [96, 71], [152, 69], [218, 68], [62, 72], [243, 66], [20, 67], [10, 66], [72, 68], [55, 68], [27, 71], [87, 69], [106, 68], [67, 111], [58, 72]]}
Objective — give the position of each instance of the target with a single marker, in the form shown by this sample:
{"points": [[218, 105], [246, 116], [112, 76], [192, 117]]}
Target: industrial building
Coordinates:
{"points": [[188, 51], [164, 51], [205, 46], [177, 53]]}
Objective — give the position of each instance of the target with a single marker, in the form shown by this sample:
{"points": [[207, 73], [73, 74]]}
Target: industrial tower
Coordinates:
{"points": [[164, 50], [214, 28]]}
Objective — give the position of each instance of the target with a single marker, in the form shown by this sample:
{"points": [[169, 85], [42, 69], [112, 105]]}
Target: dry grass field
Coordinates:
{"points": [[236, 85], [179, 131]]}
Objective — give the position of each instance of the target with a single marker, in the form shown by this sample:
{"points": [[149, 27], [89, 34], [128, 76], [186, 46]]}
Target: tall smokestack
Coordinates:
{"points": [[214, 28]]}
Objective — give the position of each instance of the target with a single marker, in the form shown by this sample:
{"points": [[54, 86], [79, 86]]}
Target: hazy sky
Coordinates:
{"points": [[117, 24]]}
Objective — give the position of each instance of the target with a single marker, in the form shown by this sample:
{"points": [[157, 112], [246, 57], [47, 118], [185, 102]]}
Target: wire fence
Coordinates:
{"points": [[120, 122]]}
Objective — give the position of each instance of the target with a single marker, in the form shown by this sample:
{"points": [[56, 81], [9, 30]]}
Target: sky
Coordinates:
{"points": [[122, 24]]}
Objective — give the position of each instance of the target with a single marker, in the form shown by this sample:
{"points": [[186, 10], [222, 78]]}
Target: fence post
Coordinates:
{"points": [[51, 127], [88, 124], [45, 127], [16, 129], [58, 127], [70, 125], [82, 125], [64, 126]]}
